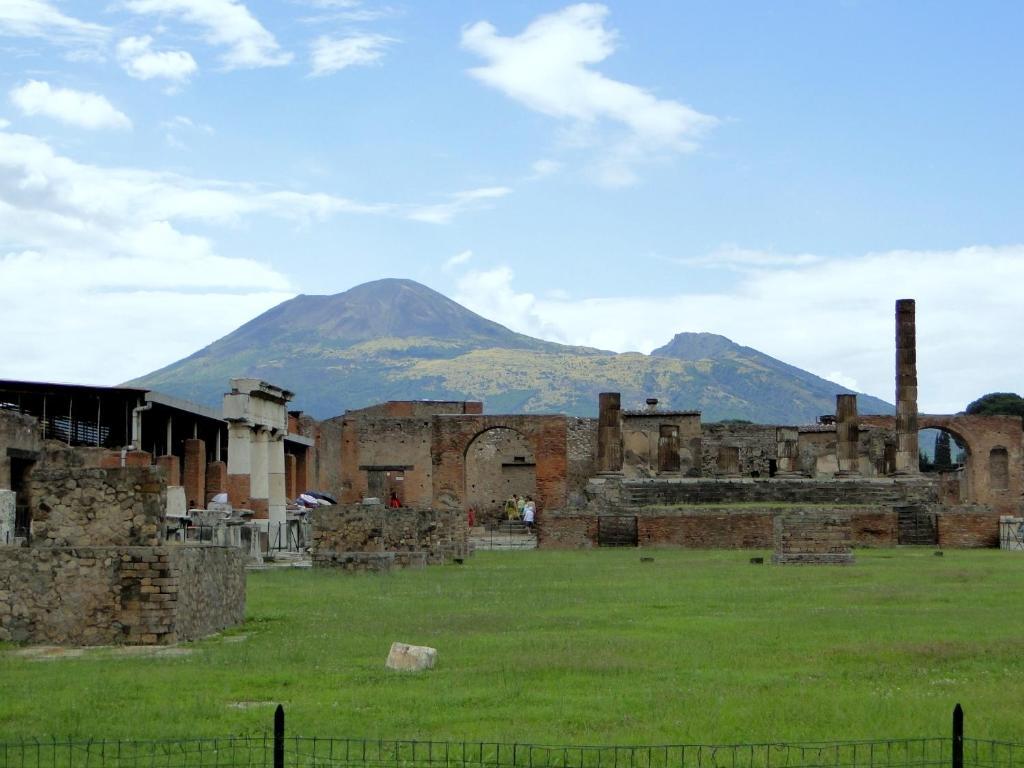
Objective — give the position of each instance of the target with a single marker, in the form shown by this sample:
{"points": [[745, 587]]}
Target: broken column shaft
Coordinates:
{"points": [[847, 434], [609, 432]]}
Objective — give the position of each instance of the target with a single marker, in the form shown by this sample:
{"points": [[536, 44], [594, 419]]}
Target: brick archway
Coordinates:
{"points": [[981, 435], [452, 436]]}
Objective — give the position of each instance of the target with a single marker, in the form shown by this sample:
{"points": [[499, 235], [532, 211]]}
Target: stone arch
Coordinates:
{"points": [[980, 435], [955, 481], [499, 462], [545, 435]]}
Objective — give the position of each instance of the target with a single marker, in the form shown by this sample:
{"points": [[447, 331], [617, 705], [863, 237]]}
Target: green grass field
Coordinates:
{"points": [[574, 648]]}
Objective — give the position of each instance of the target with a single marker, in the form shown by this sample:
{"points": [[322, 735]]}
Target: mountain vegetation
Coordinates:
{"points": [[399, 340], [997, 404]]}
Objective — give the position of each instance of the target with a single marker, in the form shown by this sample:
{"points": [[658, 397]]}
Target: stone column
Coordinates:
{"points": [[847, 435], [787, 452], [194, 472], [239, 484], [609, 432], [7, 517], [906, 388], [259, 483], [275, 488]]}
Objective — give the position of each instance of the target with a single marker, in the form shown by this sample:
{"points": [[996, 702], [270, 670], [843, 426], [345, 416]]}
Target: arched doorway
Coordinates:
{"points": [[499, 463], [945, 454]]}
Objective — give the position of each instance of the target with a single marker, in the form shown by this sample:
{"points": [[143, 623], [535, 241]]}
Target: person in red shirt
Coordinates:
{"points": [[394, 502]]}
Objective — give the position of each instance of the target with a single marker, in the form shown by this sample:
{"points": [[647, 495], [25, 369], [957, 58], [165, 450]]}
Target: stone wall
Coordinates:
{"points": [[499, 463], [340, 531], [814, 537], [19, 435], [641, 443], [581, 459], [96, 507], [113, 595], [756, 444]]}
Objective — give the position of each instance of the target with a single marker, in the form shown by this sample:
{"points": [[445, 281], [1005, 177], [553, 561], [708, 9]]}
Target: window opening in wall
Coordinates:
{"points": [[999, 469]]}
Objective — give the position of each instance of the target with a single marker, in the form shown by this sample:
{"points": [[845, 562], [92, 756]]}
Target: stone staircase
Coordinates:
{"points": [[507, 535]]}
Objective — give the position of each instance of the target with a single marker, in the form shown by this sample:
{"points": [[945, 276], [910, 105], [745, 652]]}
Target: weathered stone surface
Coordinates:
{"points": [[7, 515], [354, 536], [411, 658]]}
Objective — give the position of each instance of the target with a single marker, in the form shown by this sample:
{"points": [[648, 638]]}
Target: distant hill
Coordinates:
{"points": [[399, 340]]}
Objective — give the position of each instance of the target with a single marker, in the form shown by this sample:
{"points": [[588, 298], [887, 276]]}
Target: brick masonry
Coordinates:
{"points": [[812, 537]]}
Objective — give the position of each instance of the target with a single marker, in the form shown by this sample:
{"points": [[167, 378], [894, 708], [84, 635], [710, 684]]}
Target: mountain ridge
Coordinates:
{"points": [[396, 339]]}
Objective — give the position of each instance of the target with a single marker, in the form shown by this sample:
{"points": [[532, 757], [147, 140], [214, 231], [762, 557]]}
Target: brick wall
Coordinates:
{"points": [[812, 537], [968, 527], [113, 595]]}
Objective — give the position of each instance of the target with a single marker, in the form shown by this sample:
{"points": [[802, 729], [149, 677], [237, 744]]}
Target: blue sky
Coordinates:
{"points": [[604, 174]]}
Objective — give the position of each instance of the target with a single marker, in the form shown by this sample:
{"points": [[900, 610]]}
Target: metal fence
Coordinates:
{"points": [[280, 751]]}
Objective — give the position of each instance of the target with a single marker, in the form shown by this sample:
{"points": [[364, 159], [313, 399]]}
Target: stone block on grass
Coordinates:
{"points": [[411, 658]]}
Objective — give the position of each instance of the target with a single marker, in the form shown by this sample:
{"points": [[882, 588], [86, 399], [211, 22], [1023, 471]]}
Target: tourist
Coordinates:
{"points": [[394, 502], [529, 511], [511, 507], [520, 506]]}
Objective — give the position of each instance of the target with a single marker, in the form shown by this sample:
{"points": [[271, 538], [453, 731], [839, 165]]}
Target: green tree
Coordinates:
{"points": [[997, 404]]}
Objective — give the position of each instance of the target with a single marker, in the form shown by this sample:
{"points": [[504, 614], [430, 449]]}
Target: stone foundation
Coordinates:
{"points": [[352, 536], [116, 595]]}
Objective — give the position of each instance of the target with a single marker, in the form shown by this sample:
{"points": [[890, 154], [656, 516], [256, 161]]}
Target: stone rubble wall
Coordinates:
{"points": [[113, 595], [342, 532], [96, 507]]}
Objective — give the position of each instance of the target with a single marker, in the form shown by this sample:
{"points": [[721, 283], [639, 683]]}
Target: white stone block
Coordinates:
{"points": [[177, 505], [411, 658]]}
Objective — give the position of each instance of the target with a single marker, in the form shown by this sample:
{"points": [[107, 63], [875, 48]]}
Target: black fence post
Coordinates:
{"points": [[279, 737], [958, 737]]}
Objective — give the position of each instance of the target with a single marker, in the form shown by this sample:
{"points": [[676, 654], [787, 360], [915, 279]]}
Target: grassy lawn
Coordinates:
{"points": [[576, 647]]}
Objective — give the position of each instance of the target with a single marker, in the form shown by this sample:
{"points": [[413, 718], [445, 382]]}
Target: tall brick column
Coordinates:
{"points": [[609, 432], [847, 435], [290, 463], [171, 468], [194, 472], [906, 387]]}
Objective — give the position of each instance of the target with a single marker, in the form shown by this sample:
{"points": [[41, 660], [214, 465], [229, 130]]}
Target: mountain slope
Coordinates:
{"points": [[397, 339]]}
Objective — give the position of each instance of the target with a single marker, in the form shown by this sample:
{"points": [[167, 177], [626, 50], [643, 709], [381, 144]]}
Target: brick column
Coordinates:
{"points": [[217, 481], [847, 435], [171, 468], [906, 387], [290, 464], [194, 472], [138, 459]]}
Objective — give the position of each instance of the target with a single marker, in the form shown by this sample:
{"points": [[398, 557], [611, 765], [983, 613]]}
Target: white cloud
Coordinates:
{"points": [[544, 167], [139, 60], [832, 316], [37, 18], [456, 260], [4, 124], [332, 54], [81, 108], [738, 259], [548, 68], [442, 213], [227, 23]]}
